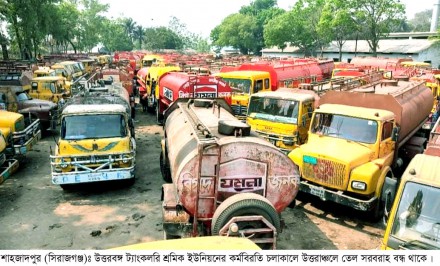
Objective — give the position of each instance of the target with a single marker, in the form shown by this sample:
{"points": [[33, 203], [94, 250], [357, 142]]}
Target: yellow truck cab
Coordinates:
{"points": [[414, 220], [96, 142], [7, 165], [20, 133], [49, 88], [44, 72], [62, 71], [360, 142], [244, 84], [76, 68], [282, 116], [151, 59]]}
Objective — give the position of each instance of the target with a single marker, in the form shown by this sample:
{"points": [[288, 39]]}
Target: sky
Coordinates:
{"points": [[201, 16]]}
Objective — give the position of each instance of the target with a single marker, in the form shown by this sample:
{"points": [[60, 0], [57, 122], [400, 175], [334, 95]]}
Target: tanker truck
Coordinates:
{"points": [[414, 220], [175, 85], [360, 142], [224, 180]]}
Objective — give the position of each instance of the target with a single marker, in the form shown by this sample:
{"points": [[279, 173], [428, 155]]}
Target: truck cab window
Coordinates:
{"points": [[258, 86], [387, 130]]}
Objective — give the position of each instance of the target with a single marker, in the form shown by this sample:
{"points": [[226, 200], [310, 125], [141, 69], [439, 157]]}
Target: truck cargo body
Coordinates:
{"points": [[350, 155], [212, 159]]}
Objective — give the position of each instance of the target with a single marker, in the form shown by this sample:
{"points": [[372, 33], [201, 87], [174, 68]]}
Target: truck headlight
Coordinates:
{"points": [[359, 185], [125, 159]]}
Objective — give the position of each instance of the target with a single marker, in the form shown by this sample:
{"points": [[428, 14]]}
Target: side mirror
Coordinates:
{"points": [[395, 134]]}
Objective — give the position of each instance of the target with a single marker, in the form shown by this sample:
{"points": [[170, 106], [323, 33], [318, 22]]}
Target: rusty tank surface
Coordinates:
{"points": [[410, 101], [225, 180]]}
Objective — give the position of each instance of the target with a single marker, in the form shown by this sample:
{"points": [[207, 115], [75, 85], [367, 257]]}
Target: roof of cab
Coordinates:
{"points": [[93, 108]]}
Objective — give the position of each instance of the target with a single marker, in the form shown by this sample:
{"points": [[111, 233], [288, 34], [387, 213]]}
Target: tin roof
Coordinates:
{"points": [[401, 46]]}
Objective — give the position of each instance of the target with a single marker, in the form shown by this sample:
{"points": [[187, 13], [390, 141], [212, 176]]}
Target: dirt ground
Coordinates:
{"points": [[35, 214]]}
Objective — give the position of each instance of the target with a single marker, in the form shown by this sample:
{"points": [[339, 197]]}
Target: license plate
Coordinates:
{"points": [[317, 191]]}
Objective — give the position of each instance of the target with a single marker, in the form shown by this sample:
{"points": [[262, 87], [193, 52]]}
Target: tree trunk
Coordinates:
{"points": [[5, 51], [73, 46]]}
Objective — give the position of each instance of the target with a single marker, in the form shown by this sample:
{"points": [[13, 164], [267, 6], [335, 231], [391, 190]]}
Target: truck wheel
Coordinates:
{"points": [[164, 169], [246, 204]]}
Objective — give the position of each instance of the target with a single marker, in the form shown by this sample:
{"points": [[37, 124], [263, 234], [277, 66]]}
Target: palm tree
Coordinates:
{"points": [[138, 34], [129, 26]]}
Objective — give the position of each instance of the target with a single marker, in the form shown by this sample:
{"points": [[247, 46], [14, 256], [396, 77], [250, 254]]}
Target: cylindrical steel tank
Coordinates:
{"points": [[229, 165], [410, 101]]}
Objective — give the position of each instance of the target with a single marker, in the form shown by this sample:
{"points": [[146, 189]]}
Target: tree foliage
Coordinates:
{"points": [[377, 17], [421, 21]]}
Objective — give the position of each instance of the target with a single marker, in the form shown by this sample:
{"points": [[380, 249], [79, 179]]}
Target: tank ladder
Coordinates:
{"points": [[205, 141], [213, 156]]}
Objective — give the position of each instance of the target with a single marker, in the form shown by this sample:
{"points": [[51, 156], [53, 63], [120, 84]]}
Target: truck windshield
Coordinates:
{"points": [[93, 126], [418, 215], [345, 127], [239, 85], [273, 109], [23, 96]]}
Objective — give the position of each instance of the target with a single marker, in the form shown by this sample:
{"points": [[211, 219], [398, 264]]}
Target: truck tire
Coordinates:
{"points": [[159, 116], [164, 169], [245, 204]]}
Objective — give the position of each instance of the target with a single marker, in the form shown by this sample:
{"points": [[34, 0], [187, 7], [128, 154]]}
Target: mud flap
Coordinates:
{"points": [[175, 218]]}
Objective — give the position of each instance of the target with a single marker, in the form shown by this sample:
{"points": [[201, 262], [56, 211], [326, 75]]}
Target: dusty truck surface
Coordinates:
{"points": [[96, 141], [21, 134], [175, 85], [8, 165], [223, 179], [360, 142], [414, 220], [283, 116], [16, 99]]}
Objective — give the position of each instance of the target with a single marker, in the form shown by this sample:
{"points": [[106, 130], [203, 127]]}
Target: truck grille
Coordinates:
{"points": [[240, 110], [325, 172]]}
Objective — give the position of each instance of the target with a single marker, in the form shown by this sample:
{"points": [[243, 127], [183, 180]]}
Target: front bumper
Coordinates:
{"points": [[338, 197]]}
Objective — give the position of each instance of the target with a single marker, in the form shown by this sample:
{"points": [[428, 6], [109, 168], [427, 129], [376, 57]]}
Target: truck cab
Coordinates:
{"points": [[16, 99], [49, 88], [282, 117], [44, 72], [359, 144], [96, 141], [414, 221], [243, 84], [21, 135]]}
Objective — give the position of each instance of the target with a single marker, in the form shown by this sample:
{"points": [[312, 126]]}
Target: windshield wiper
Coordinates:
{"points": [[360, 143]]}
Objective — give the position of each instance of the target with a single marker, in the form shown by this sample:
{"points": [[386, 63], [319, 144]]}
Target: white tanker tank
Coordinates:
{"points": [[225, 180]]}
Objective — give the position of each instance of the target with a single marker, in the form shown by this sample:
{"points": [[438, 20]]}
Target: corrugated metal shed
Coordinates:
{"points": [[403, 46]]}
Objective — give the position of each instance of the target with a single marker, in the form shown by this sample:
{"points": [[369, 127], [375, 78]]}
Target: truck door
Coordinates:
{"points": [[306, 116], [386, 144]]}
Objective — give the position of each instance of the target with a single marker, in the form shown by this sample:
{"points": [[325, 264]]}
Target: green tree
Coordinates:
{"points": [[337, 23], [129, 26], [247, 27], [377, 17], [421, 21], [161, 38], [299, 27], [238, 31], [138, 34], [64, 26], [91, 23], [112, 33]]}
